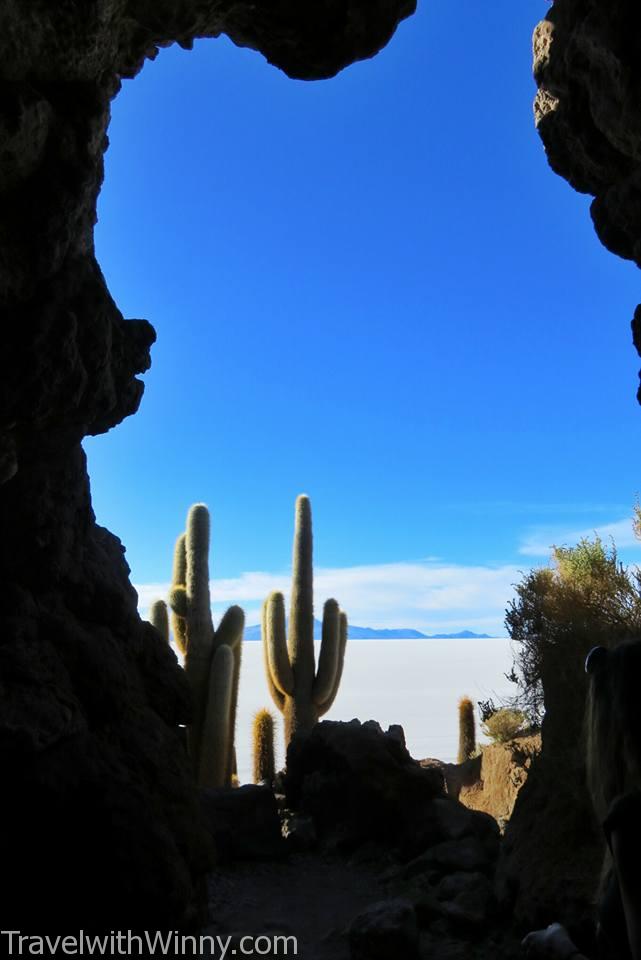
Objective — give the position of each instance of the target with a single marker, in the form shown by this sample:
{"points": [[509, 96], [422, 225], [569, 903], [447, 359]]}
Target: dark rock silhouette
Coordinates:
{"points": [[587, 67], [244, 822], [588, 71], [361, 785], [99, 820]]}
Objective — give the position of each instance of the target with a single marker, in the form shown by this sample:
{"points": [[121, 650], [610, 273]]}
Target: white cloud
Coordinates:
{"points": [[538, 542], [430, 596]]}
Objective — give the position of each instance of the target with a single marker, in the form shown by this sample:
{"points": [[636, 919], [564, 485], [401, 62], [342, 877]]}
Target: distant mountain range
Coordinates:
{"points": [[368, 633]]}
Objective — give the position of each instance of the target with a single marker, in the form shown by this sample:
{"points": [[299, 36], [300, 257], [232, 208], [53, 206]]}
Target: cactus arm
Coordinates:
{"points": [[275, 640], [159, 618], [230, 628], [274, 692], [230, 634], [213, 761], [178, 579], [237, 650], [343, 630], [179, 570], [329, 653], [178, 600], [200, 627], [200, 630], [301, 615]]}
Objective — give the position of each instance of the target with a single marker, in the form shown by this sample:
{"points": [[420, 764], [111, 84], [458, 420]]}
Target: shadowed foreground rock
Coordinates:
{"points": [[361, 785], [99, 822], [244, 822], [393, 867]]}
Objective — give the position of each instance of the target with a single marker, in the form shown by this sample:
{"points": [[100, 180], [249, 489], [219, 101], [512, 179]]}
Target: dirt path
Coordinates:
{"points": [[310, 897]]}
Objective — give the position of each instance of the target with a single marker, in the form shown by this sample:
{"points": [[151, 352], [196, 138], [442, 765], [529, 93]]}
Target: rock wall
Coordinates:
{"points": [[587, 64], [99, 824], [503, 771], [553, 847], [588, 71]]}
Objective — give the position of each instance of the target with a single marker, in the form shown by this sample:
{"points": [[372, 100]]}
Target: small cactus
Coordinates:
{"points": [[466, 730], [159, 619], [300, 692], [263, 747], [212, 657]]}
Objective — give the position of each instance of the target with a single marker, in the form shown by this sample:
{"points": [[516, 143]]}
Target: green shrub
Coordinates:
{"points": [[585, 598]]}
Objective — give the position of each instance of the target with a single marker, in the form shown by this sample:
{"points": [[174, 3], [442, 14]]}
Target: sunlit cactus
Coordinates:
{"points": [[466, 730], [301, 692], [159, 618], [179, 579], [263, 751], [212, 657]]}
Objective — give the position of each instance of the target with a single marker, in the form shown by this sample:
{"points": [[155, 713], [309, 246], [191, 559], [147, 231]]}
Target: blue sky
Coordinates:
{"points": [[373, 290]]}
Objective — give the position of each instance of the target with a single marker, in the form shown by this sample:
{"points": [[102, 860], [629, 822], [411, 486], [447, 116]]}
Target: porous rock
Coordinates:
{"points": [[99, 816], [588, 70]]}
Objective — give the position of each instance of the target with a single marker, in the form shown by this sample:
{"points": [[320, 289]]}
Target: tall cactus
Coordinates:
{"points": [[466, 730], [300, 692], [212, 657]]}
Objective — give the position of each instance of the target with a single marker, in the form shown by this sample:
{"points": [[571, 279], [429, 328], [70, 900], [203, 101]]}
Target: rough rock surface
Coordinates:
{"points": [[552, 852], [99, 818], [456, 775], [587, 65], [361, 785], [553, 847], [502, 773]]}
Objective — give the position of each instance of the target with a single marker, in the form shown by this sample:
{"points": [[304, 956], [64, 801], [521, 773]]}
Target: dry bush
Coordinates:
{"points": [[587, 597], [505, 724]]}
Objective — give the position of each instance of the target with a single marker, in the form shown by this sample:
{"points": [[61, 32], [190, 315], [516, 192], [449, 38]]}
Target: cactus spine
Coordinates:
{"points": [[212, 657], [263, 747], [301, 693], [159, 619], [466, 730]]}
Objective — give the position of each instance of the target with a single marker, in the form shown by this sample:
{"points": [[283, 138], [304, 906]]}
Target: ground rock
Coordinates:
{"points": [[299, 832], [456, 775], [386, 929], [468, 853], [361, 785], [244, 822], [443, 947], [466, 899], [455, 821]]}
